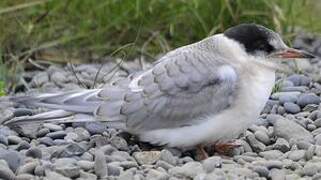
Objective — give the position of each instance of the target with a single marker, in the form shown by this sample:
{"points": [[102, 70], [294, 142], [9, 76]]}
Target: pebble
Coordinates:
{"points": [[299, 80], [86, 176], [282, 145], [42, 132], [100, 164], [296, 155], [271, 154], [23, 145], [188, 170], [311, 168], [168, 157], [6, 173], [52, 127], [86, 165], [4, 140], [291, 108], [57, 134], [288, 98], [317, 123], [27, 168], [119, 142], [147, 157], [288, 129], [24, 177], [262, 136], [308, 98], [256, 145], [51, 175], [34, 153], [211, 163], [14, 139], [13, 158], [262, 171]]}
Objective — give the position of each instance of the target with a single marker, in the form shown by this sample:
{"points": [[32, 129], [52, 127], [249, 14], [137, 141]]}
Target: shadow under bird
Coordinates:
{"points": [[204, 93]]}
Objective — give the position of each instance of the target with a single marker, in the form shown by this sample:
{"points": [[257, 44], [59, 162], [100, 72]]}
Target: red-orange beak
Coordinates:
{"points": [[291, 53]]}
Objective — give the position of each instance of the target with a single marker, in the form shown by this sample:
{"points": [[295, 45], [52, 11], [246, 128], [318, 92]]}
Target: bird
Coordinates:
{"points": [[205, 93]]}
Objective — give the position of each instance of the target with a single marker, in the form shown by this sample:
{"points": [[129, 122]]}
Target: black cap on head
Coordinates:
{"points": [[254, 37]]}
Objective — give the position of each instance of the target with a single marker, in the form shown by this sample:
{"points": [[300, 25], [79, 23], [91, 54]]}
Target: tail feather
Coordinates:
{"points": [[74, 106], [81, 101]]}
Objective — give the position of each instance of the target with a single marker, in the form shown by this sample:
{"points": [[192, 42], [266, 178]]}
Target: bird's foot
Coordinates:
{"points": [[201, 154], [226, 148]]}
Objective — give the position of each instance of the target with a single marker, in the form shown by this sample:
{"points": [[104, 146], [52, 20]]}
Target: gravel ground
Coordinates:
{"points": [[285, 143]]}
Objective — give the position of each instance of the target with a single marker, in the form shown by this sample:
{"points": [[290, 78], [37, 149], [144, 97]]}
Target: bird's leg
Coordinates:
{"points": [[201, 154], [226, 147]]}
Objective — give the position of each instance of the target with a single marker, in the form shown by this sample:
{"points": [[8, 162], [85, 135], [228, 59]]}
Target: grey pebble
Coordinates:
{"points": [[23, 145], [82, 134], [147, 157], [262, 171], [156, 175], [39, 171], [211, 163], [13, 158], [57, 134], [310, 152], [271, 154], [71, 171], [291, 107], [14, 139], [262, 136], [296, 155], [72, 149], [188, 170], [256, 145], [51, 175], [119, 142], [4, 140], [6, 173], [277, 174], [308, 98], [46, 141], [42, 132], [282, 145], [299, 80], [34, 153], [28, 168], [311, 168], [286, 98], [113, 170], [86, 176], [317, 139], [163, 165], [52, 127], [317, 122], [288, 129], [22, 112], [168, 157], [24, 177], [86, 165], [100, 164]]}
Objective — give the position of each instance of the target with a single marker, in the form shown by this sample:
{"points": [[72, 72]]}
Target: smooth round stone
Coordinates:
{"points": [[291, 107], [299, 80], [262, 136], [296, 155], [14, 139], [4, 140], [13, 158], [53, 127], [282, 145], [86, 165], [24, 177], [6, 173], [34, 152], [57, 134], [23, 145], [317, 122], [308, 98], [42, 132], [288, 98]]}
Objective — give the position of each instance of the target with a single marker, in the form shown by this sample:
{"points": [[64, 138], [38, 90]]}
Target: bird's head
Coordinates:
{"points": [[260, 41]]}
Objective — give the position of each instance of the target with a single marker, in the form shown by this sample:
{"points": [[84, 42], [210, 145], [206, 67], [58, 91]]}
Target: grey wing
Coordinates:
{"points": [[179, 90]]}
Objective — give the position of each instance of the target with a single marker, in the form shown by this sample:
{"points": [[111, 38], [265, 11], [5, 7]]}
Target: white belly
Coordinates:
{"points": [[253, 94]]}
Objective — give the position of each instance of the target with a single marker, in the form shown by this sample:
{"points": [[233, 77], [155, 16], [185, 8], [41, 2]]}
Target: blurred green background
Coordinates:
{"points": [[87, 30]]}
